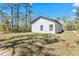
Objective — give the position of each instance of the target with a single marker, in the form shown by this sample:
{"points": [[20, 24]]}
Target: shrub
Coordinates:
{"points": [[69, 26], [49, 41]]}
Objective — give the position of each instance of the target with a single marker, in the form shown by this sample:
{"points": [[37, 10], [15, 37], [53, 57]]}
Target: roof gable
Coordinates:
{"points": [[46, 19]]}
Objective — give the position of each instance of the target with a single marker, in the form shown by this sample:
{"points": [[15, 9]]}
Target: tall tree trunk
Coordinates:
{"points": [[12, 19], [18, 17], [26, 21]]}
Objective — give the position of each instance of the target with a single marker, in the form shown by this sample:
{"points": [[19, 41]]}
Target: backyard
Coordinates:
{"points": [[17, 37], [66, 43]]}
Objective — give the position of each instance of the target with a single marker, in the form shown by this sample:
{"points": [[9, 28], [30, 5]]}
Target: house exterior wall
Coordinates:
{"points": [[45, 23], [58, 27]]}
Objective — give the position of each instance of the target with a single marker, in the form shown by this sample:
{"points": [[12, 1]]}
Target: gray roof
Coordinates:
{"points": [[46, 19]]}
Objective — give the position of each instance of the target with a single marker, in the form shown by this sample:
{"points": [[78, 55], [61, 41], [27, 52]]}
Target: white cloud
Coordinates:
{"points": [[76, 4], [74, 10]]}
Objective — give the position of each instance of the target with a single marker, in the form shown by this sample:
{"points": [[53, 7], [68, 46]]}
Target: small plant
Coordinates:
{"points": [[77, 42]]}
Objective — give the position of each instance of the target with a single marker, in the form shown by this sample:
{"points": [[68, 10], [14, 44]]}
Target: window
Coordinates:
{"points": [[41, 27], [50, 27]]}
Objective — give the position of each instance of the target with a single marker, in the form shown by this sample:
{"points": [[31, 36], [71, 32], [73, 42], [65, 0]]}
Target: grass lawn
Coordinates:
{"points": [[68, 43], [29, 42]]}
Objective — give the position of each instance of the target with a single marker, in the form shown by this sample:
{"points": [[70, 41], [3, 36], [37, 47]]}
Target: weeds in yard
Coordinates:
{"points": [[29, 44]]}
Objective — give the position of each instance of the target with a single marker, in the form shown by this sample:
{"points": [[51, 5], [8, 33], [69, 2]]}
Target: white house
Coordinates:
{"points": [[46, 25]]}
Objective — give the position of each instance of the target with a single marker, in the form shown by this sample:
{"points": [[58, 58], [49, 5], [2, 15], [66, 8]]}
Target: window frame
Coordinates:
{"points": [[41, 27], [50, 27]]}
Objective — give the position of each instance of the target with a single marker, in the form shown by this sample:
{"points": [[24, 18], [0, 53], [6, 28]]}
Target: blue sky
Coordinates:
{"points": [[52, 10]]}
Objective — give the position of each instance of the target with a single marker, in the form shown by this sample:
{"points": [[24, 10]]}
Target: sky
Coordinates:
{"points": [[54, 10], [51, 10]]}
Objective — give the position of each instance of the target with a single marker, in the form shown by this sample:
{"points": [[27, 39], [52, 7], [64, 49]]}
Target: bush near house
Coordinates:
{"points": [[69, 26]]}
